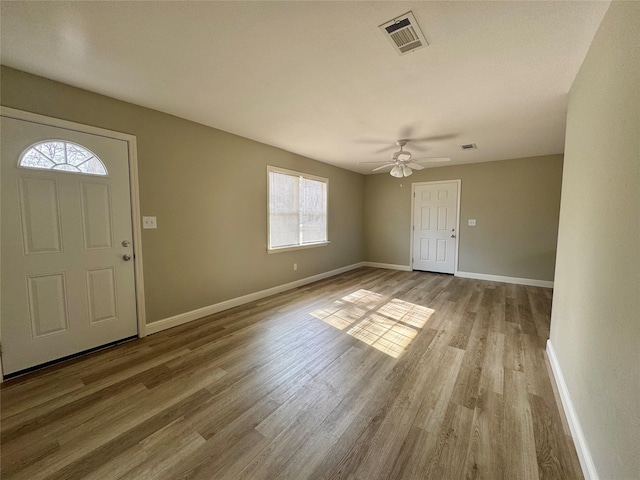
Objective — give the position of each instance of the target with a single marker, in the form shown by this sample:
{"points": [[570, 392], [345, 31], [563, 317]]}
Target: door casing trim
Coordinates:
{"points": [[136, 218], [413, 197]]}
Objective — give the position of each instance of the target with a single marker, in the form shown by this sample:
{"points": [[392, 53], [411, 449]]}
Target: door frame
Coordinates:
{"points": [[136, 219], [413, 196]]}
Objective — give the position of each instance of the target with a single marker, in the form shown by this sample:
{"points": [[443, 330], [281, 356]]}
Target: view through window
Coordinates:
{"points": [[297, 209], [62, 156]]}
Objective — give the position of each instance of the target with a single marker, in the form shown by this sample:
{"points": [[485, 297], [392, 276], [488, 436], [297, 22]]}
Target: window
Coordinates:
{"points": [[297, 210], [61, 155]]}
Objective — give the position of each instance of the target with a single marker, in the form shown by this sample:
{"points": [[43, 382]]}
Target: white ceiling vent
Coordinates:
{"points": [[404, 34]]}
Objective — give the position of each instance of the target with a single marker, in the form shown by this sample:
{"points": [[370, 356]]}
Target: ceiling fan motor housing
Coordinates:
{"points": [[402, 156]]}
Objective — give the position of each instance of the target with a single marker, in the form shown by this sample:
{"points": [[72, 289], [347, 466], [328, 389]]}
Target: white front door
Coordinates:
{"points": [[435, 223], [67, 267]]}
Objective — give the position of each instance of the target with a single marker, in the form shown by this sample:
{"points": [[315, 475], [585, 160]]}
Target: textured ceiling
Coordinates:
{"points": [[319, 78]]}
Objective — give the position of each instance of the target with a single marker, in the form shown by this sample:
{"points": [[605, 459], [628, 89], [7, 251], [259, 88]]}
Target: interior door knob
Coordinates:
{"points": [[126, 257], [453, 236]]}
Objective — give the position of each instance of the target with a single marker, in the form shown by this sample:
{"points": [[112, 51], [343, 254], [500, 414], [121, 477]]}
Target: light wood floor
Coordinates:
{"points": [[373, 374]]}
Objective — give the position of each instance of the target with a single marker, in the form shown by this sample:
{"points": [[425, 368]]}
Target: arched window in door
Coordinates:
{"points": [[64, 156]]}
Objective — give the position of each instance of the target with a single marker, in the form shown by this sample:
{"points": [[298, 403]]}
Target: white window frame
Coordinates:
{"points": [[294, 173]]}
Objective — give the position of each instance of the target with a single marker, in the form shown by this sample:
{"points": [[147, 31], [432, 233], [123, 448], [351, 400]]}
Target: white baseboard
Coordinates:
{"points": [[499, 278], [584, 455], [388, 266], [159, 325]]}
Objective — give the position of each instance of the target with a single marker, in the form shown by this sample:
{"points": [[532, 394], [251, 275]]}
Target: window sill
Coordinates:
{"points": [[297, 247]]}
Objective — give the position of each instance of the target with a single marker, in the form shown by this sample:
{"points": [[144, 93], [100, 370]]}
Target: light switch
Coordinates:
{"points": [[472, 222], [149, 222]]}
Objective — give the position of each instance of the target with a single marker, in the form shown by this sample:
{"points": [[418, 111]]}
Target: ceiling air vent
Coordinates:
{"points": [[404, 34], [469, 146]]}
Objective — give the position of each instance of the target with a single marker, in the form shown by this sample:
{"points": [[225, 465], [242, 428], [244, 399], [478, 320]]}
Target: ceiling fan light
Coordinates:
{"points": [[406, 171], [396, 171]]}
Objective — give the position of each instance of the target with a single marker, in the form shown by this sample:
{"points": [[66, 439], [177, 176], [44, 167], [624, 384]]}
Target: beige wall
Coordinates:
{"points": [[515, 203], [595, 324], [208, 190]]}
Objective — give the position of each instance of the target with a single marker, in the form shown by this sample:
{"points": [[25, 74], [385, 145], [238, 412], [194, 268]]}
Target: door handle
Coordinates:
{"points": [[453, 235], [126, 257]]}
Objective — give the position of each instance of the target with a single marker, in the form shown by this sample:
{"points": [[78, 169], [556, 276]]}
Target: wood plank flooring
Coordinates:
{"points": [[373, 374]]}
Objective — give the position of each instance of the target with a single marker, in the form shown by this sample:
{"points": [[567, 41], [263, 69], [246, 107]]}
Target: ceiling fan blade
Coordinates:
{"points": [[433, 138], [383, 166], [418, 147], [432, 159], [406, 131], [375, 161], [415, 166], [372, 141], [386, 149]]}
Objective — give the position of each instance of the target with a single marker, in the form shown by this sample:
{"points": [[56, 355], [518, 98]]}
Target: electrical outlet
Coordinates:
{"points": [[295, 266], [472, 222], [149, 222]]}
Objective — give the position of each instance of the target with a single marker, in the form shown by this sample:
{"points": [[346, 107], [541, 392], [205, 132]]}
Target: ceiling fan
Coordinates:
{"points": [[402, 163]]}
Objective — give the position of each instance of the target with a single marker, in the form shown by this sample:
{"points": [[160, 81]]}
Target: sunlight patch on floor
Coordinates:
{"points": [[409, 313], [388, 325]]}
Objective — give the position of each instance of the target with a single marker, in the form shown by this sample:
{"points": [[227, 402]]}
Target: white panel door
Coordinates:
{"points": [[435, 220], [67, 279]]}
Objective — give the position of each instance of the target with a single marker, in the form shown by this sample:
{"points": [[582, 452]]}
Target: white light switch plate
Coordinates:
{"points": [[149, 222], [472, 222]]}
